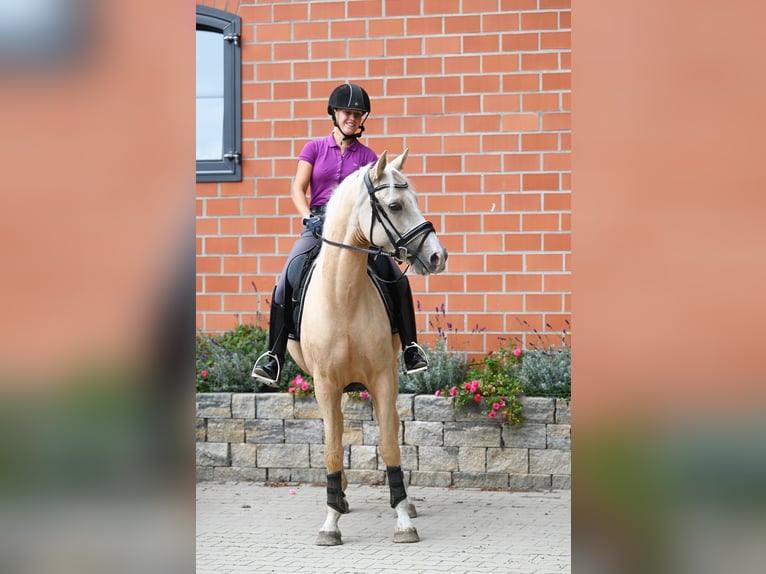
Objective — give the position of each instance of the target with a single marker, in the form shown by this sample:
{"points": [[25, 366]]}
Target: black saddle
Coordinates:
{"points": [[299, 274]]}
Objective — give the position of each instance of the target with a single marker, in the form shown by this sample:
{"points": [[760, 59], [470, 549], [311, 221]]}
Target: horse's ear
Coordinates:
{"points": [[398, 163], [376, 173]]}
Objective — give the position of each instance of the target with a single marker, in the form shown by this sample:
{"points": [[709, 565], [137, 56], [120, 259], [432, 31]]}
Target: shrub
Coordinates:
{"points": [[494, 385], [447, 369], [224, 361], [547, 372]]}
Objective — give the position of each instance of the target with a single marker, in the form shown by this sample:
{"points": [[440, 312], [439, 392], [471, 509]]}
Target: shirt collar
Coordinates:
{"points": [[332, 143]]}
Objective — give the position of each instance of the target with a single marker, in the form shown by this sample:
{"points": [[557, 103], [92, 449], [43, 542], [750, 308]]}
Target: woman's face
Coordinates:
{"points": [[349, 120]]}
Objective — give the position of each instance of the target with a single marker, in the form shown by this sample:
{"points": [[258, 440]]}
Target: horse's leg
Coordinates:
{"points": [[388, 422], [329, 405]]}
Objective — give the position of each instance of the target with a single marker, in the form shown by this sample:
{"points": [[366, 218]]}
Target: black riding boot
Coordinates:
{"points": [[268, 366], [413, 355]]}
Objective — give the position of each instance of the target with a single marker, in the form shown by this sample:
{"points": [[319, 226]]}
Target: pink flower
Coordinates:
{"points": [[495, 406], [304, 386], [474, 386], [437, 393], [203, 374], [453, 391], [290, 390], [492, 414], [502, 403], [477, 398], [517, 352], [364, 395], [467, 386]]}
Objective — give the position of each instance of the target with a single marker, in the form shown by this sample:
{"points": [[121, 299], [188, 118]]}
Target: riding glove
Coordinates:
{"points": [[314, 224]]}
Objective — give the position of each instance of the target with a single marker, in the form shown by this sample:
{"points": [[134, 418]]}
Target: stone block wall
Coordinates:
{"points": [[278, 437]]}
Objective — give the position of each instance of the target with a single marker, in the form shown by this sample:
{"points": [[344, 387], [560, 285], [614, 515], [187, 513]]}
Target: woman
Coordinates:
{"points": [[322, 165]]}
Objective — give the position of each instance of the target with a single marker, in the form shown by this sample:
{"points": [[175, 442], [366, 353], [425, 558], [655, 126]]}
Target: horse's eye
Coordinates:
{"points": [[395, 206]]}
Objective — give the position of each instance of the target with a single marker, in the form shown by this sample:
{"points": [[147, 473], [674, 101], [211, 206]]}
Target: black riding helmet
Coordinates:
{"points": [[349, 97]]}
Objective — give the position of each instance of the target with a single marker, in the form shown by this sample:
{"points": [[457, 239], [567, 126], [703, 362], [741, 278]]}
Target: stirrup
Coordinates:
{"points": [[423, 355], [273, 383]]}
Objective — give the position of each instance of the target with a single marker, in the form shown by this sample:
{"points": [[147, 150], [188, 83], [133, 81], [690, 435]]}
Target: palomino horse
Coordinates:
{"points": [[345, 328]]}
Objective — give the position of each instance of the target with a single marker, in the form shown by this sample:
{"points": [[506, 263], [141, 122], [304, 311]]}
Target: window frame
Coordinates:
{"points": [[229, 167]]}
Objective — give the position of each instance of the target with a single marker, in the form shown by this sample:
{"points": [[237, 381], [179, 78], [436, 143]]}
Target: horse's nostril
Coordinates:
{"points": [[436, 260]]}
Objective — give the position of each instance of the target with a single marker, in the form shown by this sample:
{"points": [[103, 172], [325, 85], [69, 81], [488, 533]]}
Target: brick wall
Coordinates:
{"points": [[480, 93]]}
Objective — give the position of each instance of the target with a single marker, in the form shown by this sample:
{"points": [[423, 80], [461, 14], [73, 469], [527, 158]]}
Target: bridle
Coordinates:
{"points": [[398, 240]]}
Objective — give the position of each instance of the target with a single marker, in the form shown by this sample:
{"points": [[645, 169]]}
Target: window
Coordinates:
{"points": [[219, 96]]}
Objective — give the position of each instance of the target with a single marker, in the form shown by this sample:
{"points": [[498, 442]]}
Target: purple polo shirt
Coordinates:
{"points": [[330, 167]]}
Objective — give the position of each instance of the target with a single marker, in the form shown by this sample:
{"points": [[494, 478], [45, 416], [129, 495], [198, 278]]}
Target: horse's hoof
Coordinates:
{"points": [[411, 512], [329, 538], [406, 535]]}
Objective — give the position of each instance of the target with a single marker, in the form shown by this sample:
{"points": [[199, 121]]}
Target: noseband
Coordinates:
{"points": [[400, 253]]}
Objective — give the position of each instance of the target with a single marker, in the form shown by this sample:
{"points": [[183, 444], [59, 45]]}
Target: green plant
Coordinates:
{"points": [[446, 368], [493, 384], [547, 372], [224, 361]]}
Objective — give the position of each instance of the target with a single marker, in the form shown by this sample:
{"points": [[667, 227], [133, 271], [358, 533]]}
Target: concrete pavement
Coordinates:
{"points": [[250, 527]]}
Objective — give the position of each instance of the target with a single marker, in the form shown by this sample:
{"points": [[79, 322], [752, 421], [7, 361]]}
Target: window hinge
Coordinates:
{"points": [[233, 155], [232, 38]]}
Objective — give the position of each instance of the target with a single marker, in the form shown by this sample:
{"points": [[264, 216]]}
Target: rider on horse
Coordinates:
{"points": [[322, 165]]}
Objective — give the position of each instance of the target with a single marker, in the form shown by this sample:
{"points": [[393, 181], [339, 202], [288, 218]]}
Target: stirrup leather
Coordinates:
{"points": [[422, 353], [270, 382]]}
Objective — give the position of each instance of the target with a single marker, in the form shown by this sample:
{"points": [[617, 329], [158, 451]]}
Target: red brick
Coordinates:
{"points": [[540, 102], [557, 81], [557, 121], [327, 10], [443, 85], [443, 203], [365, 9], [481, 43], [290, 12], [208, 302], [348, 29], [520, 122], [484, 242], [401, 8], [465, 263], [366, 48], [543, 61], [214, 207], [539, 141], [555, 40], [443, 45], [557, 241], [240, 264], [539, 302], [501, 103], [484, 282], [387, 27], [221, 283], [462, 104], [424, 66], [425, 105], [462, 64], [520, 42], [523, 283], [499, 63], [544, 262], [444, 163], [237, 226], [386, 67], [206, 226], [540, 222], [311, 30], [265, 72], [521, 82], [258, 244], [453, 143], [558, 282], [557, 161], [540, 182], [400, 86], [557, 201], [462, 184], [481, 163], [539, 20], [272, 32], [470, 24], [321, 50], [427, 26], [483, 84], [502, 22], [502, 182], [482, 123]]}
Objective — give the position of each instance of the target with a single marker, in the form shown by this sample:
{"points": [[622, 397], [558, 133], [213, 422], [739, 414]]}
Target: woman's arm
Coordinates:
{"points": [[301, 186]]}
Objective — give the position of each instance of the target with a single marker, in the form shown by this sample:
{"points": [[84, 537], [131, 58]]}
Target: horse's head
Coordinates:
{"points": [[396, 223]]}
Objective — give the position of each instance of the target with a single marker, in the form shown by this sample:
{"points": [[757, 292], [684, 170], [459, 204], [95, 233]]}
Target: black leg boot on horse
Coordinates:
{"points": [[413, 355], [268, 367]]}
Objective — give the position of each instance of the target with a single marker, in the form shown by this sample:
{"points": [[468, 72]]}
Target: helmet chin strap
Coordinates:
{"points": [[352, 136]]}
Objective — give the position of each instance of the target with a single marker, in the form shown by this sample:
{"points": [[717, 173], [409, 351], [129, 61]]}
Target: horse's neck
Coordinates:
{"points": [[343, 270]]}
